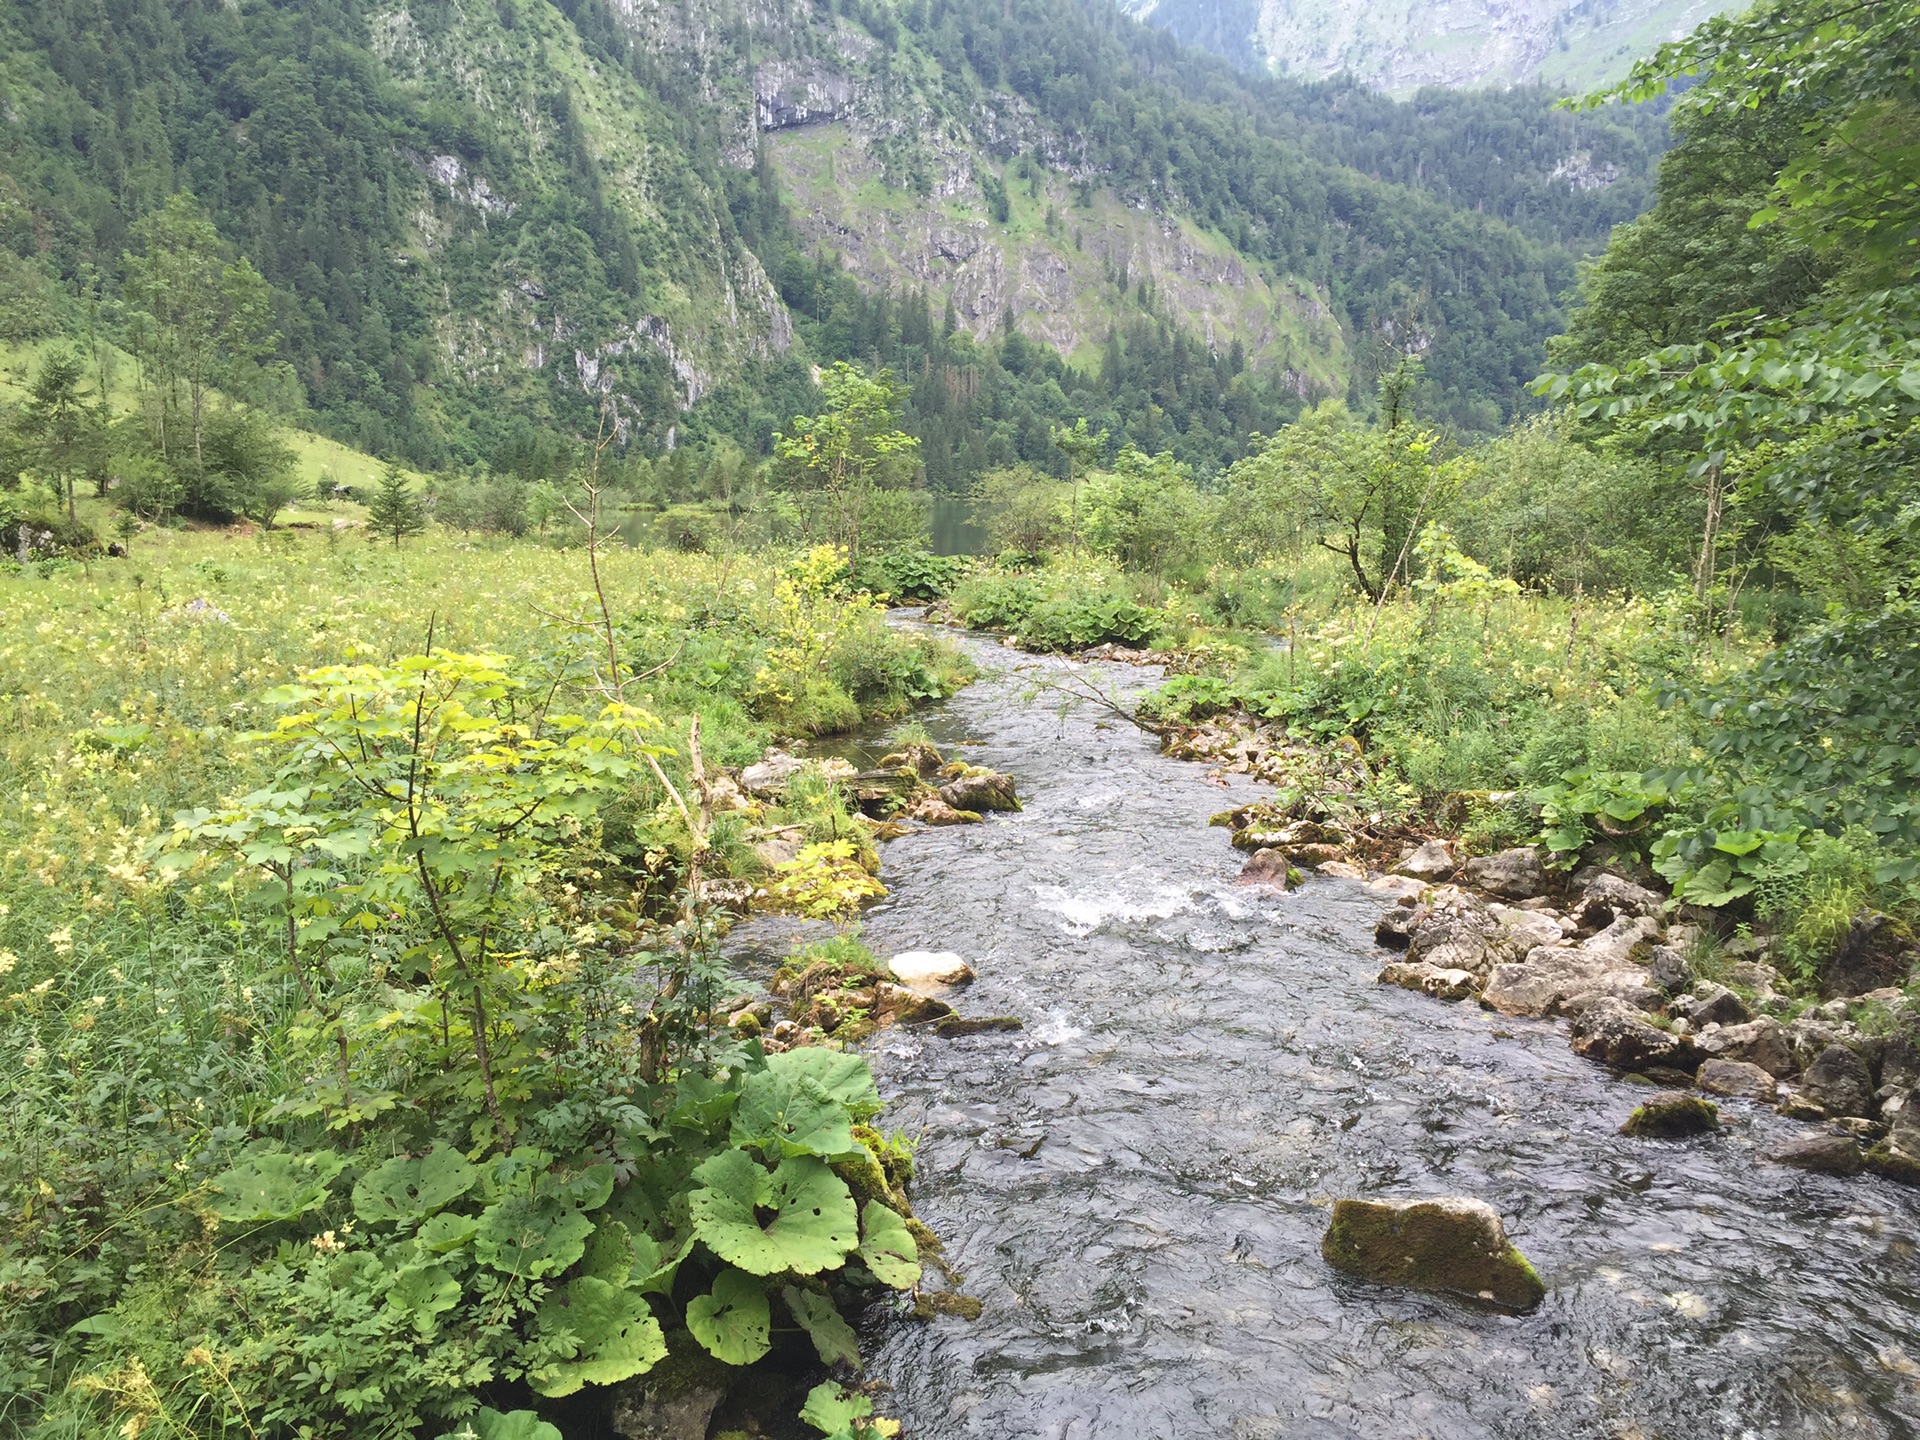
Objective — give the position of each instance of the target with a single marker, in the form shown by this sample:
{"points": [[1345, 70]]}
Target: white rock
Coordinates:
{"points": [[1396, 886], [924, 971], [770, 775], [1432, 861]]}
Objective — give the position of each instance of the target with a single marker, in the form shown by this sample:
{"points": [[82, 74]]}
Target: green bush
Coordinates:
{"points": [[912, 574], [1074, 622]]}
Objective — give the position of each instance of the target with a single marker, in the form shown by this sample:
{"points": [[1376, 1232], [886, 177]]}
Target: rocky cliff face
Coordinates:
{"points": [[706, 306], [1402, 45]]}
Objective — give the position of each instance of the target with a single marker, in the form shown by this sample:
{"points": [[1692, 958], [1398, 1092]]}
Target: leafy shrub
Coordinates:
{"points": [[1074, 622], [912, 574], [997, 601]]}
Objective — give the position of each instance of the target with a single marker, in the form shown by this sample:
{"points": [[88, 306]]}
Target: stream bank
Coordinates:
{"points": [[1136, 1183]]}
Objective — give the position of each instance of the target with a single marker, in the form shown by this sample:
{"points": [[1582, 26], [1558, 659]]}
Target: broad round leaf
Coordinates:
{"points": [[406, 1189], [274, 1186], [828, 1329], [446, 1232], [733, 1321], [487, 1424], [424, 1291], [610, 1254], [530, 1238], [614, 1329], [814, 1225], [842, 1076], [888, 1248], [784, 1113]]}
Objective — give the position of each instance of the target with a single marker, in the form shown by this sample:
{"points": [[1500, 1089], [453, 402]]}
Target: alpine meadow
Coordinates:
{"points": [[933, 717]]}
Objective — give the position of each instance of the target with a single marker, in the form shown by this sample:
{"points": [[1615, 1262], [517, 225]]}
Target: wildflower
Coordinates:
{"points": [[326, 1244], [7, 961], [43, 987], [61, 940]]}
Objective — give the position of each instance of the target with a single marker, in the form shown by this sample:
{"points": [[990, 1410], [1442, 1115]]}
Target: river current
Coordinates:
{"points": [[1136, 1184]]}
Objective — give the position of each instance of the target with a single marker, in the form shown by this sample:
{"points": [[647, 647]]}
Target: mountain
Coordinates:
{"points": [[1399, 46], [481, 222]]}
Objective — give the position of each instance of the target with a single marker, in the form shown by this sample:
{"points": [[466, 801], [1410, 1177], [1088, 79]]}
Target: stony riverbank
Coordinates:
{"points": [[1658, 993]]}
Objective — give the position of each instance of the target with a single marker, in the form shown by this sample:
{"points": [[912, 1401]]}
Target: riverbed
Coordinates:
{"points": [[1136, 1184]]}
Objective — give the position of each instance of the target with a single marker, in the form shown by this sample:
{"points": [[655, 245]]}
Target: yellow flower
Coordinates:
{"points": [[7, 961], [61, 940]]}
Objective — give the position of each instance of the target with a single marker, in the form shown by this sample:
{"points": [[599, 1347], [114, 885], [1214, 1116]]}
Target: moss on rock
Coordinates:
{"points": [[1455, 1245], [1672, 1116]]}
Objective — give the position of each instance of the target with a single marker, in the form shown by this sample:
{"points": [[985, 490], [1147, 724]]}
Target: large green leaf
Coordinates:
{"points": [[274, 1186], [786, 1113], [842, 1076], [610, 1254], [424, 1291], [888, 1248], [614, 1329], [654, 1270], [485, 1424], [822, 1321], [446, 1232], [406, 1189], [531, 1238], [814, 1224], [837, 1411], [733, 1321]]}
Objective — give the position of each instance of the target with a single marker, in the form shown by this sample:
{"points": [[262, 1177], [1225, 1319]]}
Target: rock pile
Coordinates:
{"points": [[1603, 956]]}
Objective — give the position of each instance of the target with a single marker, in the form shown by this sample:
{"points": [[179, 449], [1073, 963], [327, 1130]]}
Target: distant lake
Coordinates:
{"points": [[954, 529]]}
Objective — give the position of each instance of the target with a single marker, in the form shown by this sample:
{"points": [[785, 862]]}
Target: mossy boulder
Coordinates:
{"points": [[1671, 1115], [1454, 1245]]}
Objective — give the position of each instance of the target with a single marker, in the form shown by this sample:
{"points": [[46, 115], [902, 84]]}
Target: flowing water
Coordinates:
{"points": [[1137, 1183]]}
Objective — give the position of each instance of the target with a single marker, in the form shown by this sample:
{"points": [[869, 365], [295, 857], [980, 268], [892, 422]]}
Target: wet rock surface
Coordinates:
{"points": [[1672, 1115], [1456, 1245], [1822, 1154]]}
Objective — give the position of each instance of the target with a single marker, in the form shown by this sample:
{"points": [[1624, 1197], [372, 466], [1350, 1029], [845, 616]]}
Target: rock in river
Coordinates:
{"points": [[924, 970], [979, 790], [1672, 1115], [1824, 1154], [1456, 1245], [1432, 861], [1736, 1077], [1838, 1081], [1612, 1032]]}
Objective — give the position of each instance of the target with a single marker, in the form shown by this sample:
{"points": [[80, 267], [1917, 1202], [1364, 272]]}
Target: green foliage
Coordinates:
{"points": [[394, 511], [316, 1201], [1814, 409], [1077, 621], [913, 574], [1620, 807]]}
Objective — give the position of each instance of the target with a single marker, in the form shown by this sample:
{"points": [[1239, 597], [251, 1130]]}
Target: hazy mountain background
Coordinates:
{"points": [[1400, 45]]}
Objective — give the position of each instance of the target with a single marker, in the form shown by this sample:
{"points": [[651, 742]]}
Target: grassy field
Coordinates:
{"points": [[153, 1034]]}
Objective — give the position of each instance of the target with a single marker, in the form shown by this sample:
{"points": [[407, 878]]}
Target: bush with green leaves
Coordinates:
{"points": [[1077, 621], [495, 1141], [912, 574]]}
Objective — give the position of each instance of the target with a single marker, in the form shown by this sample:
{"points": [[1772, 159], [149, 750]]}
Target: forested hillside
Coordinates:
{"points": [[472, 224]]}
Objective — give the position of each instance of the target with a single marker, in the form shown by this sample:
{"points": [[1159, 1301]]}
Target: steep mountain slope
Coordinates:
{"points": [[1403, 44], [477, 218]]}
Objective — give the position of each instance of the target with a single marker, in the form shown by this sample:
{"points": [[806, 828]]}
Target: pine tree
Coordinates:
{"points": [[395, 510]]}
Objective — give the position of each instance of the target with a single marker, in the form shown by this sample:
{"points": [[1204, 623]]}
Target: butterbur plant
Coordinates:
{"points": [[493, 1182]]}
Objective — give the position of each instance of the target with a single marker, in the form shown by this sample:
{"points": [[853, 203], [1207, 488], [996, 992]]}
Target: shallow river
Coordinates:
{"points": [[1137, 1183]]}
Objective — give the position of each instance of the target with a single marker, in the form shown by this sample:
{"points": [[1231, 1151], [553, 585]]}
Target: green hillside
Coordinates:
{"points": [[476, 224]]}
